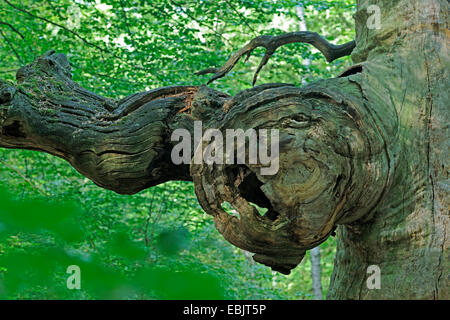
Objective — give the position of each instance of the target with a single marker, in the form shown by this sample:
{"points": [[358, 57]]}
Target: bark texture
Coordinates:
{"points": [[365, 152]]}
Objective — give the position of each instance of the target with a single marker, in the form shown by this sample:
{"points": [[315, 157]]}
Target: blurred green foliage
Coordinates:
{"points": [[138, 247]]}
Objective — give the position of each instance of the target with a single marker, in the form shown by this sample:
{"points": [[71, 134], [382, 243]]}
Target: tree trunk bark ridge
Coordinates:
{"points": [[364, 153]]}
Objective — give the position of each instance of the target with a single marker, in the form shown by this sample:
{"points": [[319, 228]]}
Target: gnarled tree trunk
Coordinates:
{"points": [[365, 152]]}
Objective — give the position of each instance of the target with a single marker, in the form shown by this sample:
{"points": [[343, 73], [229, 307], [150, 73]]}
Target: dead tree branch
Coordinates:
{"points": [[271, 43]]}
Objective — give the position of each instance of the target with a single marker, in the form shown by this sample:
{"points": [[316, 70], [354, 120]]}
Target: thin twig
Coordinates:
{"points": [[60, 26], [55, 9], [147, 221], [153, 219]]}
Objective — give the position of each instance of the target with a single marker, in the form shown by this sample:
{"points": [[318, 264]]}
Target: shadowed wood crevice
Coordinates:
{"points": [[272, 43], [365, 153]]}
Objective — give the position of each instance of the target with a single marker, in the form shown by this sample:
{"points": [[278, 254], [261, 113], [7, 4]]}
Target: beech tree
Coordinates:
{"points": [[363, 154]]}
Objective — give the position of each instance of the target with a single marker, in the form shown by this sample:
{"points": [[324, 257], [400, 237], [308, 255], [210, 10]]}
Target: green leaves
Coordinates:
{"points": [[43, 267], [184, 284], [121, 245]]}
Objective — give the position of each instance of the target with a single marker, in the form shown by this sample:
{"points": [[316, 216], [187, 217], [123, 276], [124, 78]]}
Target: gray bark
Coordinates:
{"points": [[365, 152], [316, 273]]}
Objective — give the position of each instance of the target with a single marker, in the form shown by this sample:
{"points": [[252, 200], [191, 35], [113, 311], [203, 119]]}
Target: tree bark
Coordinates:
{"points": [[405, 67], [365, 152], [316, 276]]}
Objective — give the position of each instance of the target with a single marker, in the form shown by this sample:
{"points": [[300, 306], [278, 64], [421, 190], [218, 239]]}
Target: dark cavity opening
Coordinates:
{"points": [[14, 130]]}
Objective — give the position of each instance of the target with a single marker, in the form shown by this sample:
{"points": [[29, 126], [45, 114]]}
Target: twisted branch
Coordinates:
{"points": [[271, 43]]}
